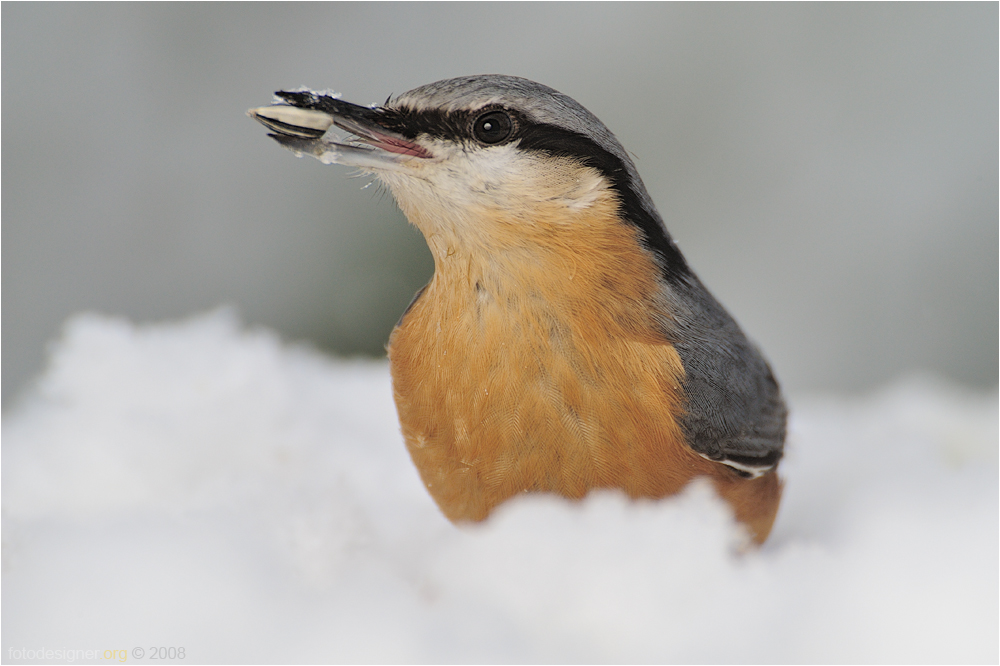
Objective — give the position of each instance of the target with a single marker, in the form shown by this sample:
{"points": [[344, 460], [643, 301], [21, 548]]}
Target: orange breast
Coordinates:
{"points": [[538, 367]]}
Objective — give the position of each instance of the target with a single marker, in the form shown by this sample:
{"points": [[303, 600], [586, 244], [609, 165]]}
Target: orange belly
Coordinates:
{"points": [[494, 403], [529, 369]]}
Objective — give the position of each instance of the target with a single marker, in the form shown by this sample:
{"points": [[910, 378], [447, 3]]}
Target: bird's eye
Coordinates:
{"points": [[493, 127]]}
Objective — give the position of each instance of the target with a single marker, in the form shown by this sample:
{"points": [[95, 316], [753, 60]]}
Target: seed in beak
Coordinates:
{"points": [[292, 121]]}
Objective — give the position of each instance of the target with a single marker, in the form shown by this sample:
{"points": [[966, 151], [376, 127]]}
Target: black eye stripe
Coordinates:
{"points": [[455, 126], [458, 126]]}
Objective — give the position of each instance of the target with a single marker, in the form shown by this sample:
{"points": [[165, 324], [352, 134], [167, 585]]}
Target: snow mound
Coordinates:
{"points": [[200, 485]]}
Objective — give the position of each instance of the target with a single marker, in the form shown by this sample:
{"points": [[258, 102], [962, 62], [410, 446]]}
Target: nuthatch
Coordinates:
{"points": [[563, 343]]}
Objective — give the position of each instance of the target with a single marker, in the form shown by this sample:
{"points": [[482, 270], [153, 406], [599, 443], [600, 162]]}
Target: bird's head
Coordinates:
{"points": [[479, 161]]}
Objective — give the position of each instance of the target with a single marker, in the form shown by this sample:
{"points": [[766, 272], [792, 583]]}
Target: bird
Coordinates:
{"points": [[563, 344]]}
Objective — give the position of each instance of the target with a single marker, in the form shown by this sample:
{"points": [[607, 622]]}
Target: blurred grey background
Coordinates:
{"points": [[830, 170]]}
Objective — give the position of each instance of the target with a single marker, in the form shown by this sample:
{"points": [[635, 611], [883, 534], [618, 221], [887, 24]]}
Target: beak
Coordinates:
{"points": [[307, 123]]}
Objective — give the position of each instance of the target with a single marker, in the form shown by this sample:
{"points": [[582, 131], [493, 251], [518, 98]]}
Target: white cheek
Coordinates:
{"points": [[491, 178], [589, 187], [459, 188]]}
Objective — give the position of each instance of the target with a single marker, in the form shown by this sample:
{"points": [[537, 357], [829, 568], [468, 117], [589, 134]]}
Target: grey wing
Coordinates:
{"points": [[735, 414]]}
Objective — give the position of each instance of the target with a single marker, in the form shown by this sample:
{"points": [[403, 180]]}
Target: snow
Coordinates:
{"points": [[196, 484]]}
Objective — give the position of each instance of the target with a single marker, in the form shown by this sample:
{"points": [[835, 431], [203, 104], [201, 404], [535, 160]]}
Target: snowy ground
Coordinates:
{"points": [[202, 486]]}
